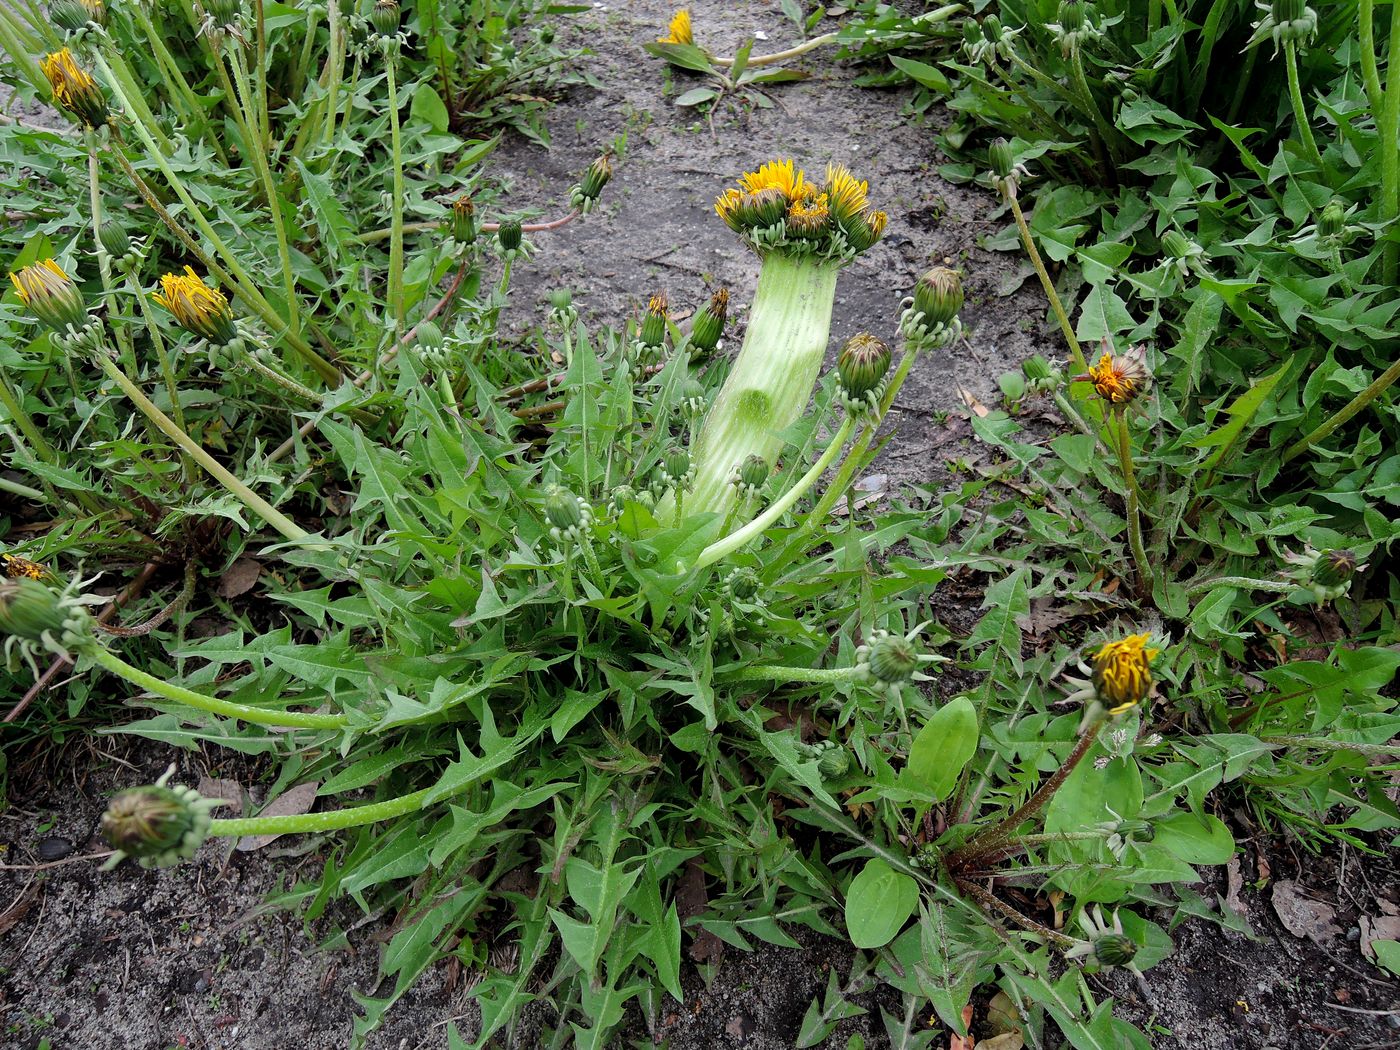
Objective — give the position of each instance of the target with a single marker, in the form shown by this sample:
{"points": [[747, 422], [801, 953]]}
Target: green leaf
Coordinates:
{"points": [[325, 209], [695, 96], [1005, 601], [878, 904], [1388, 955], [428, 107], [925, 74], [1241, 413], [943, 747], [1196, 840]]}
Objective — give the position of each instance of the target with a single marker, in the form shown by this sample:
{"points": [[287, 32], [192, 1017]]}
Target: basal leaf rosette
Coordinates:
{"points": [[804, 231]]}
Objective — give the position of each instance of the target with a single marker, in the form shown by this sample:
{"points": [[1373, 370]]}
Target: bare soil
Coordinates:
{"points": [[138, 960]]}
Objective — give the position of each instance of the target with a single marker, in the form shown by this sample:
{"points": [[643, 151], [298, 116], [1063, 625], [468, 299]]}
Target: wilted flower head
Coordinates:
{"points": [[156, 824], [1119, 378], [679, 31], [18, 568], [1123, 672], [197, 308], [51, 296], [463, 221], [74, 89], [73, 15], [653, 330]]}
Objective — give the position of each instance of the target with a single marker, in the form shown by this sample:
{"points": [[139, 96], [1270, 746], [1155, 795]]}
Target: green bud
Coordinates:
{"points": [[385, 17], [1001, 158], [991, 29], [50, 296], [708, 327], [1114, 949], [566, 514], [72, 15], [509, 234], [1175, 244], [742, 584], [1041, 376], [765, 208], [30, 611], [653, 331], [1285, 11], [1135, 830], [156, 824], [675, 466], [891, 658], [223, 12], [463, 223], [1071, 16], [693, 398], [1334, 568], [751, 476], [834, 762], [595, 178], [114, 240], [429, 335], [938, 296], [862, 367], [1332, 223]]}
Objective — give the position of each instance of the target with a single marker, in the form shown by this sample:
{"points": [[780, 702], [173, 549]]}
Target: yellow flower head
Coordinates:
{"points": [[679, 29], [50, 295], [1119, 378], [197, 308], [17, 568], [727, 207], [782, 175], [1123, 674], [846, 193], [807, 216], [74, 89]]}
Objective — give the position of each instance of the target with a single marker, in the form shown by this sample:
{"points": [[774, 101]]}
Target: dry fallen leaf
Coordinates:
{"points": [[299, 799], [963, 1042], [227, 792], [239, 578], [1302, 916], [970, 400], [1384, 928], [1005, 1041]]}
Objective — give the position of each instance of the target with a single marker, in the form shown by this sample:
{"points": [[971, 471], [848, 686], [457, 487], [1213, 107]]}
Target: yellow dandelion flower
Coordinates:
{"points": [[74, 89], [1119, 378], [679, 31], [847, 194], [783, 175], [196, 307], [807, 215], [728, 207], [1123, 674], [50, 295], [17, 568]]}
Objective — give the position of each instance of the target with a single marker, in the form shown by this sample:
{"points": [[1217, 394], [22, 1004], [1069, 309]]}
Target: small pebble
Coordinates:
{"points": [[54, 847], [1393, 1020], [1354, 934]]}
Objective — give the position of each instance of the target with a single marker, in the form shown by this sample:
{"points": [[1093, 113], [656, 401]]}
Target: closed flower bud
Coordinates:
{"points": [[595, 178], [72, 15], [751, 476], [156, 824], [114, 240], [509, 234], [50, 296], [1071, 16], [653, 331], [1123, 673], [1001, 157], [429, 336], [1287, 10], [692, 396], [566, 514], [1135, 830], [29, 610], [891, 658], [833, 762], [863, 230], [862, 367], [765, 208], [463, 223], [1334, 568], [1175, 245], [1041, 376], [991, 29], [741, 584], [708, 326], [1332, 223], [385, 17], [938, 296], [1113, 949], [675, 466], [74, 89]]}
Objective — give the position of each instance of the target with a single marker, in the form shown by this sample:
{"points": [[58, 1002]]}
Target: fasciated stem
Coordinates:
{"points": [[221, 474], [808, 675], [754, 529], [180, 695], [396, 298]]}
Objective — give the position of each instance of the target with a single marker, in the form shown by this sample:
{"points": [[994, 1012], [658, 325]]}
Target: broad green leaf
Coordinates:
{"points": [[879, 902], [943, 747]]}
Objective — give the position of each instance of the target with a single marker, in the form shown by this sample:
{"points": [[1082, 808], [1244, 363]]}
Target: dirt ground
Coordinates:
{"points": [[188, 958]]}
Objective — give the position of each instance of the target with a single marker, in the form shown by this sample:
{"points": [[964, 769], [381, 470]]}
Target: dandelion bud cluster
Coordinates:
{"points": [[157, 825], [590, 187], [862, 370], [778, 209]]}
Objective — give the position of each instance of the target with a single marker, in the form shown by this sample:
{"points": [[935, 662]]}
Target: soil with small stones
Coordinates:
{"points": [[142, 960]]}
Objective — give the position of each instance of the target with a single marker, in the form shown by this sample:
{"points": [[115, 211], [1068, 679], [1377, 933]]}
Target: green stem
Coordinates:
{"points": [[1388, 126], [1370, 74], [17, 489], [192, 114], [274, 203], [1295, 95], [104, 263], [754, 529], [128, 92], [844, 475], [1243, 582], [188, 697], [1383, 382], [11, 403], [284, 381], [247, 496], [727, 61], [1125, 461], [331, 820], [1063, 318], [396, 296], [1102, 133], [778, 673], [21, 51], [995, 838]]}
